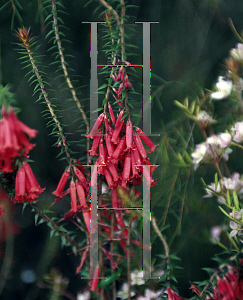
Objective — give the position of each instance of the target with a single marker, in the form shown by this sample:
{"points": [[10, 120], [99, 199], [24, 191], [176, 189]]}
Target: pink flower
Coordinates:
{"points": [[26, 186], [62, 183], [13, 140]]}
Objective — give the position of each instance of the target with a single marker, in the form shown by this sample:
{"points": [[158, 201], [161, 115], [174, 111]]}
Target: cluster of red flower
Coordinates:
{"points": [[122, 159], [228, 288], [78, 185], [15, 146], [124, 83]]}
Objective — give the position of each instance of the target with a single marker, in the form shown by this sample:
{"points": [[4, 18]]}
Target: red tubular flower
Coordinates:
{"points": [[119, 149], [111, 114], [122, 72], [146, 140], [73, 196], [13, 140], [34, 185], [106, 123], [80, 176], [95, 280], [119, 118], [116, 132], [114, 265], [26, 186], [127, 167], [113, 170], [140, 146], [20, 186], [127, 82], [137, 157], [108, 177], [135, 169], [81, 195], [62, 183], [86, 216], [146, 173], [129, 135], [173, 295], [120, 89], [82, 260], [148, 163], [102, 152], [95, 129], [95, 145], [109, 145]]}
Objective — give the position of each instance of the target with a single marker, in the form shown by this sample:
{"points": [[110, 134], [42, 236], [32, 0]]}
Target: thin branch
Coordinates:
{"points": [[167, 253], [65, 71], [54, 225], [47, 99], [112, 10]]}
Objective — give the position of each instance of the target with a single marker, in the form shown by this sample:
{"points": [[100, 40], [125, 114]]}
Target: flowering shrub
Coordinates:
{"points": [[104, 190]]}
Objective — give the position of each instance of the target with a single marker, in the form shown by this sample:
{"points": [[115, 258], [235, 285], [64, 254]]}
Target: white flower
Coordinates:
{"points": [[235, 228], [84, 296], [123, 293], [151, 294], [224, 87], [209, 192], [226, 153], [225, 139], [233, 183], [237, 53], [137, 278], [199, 153], [216, 232], [204, 118], [238, 215], [238, 132]]}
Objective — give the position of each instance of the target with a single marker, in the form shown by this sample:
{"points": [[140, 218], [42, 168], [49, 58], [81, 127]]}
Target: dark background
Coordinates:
{"points": [[187, 51]]}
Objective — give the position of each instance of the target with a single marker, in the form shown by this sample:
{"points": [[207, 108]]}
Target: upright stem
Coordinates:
{"points": [[163, 241], [65, 71], [54, 225], [44, 92]]}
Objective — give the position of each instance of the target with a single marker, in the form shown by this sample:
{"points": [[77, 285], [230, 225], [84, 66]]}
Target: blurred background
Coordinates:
{"points": [[188, 48]]}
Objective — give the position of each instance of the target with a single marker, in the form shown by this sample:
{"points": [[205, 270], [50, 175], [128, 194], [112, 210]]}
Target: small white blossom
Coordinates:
{"points": [[237, 53], [149, 295], [234, 183], [224, 87], [137, 278], [209, 192], [236, 229], [123, 293], [204, 118], [199, 153], [238, 215], [84, 296], [225, 139], [217, 144], [238, 132], [216, 232]]}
